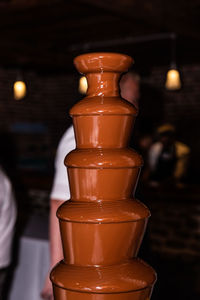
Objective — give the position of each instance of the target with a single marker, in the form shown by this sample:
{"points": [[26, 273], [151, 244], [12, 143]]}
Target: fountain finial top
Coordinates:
{"points": [[103, 62]]}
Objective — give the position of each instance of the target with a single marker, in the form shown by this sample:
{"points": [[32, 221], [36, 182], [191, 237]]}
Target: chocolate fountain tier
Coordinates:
{"points": [[93, 233], [103, 122], [115, 211], [101, 105], [104, 158], [71, 295], [131, 276], [114, 171], [103, 61]]}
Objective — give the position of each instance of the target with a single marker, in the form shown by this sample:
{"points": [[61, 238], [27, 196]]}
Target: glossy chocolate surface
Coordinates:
{"points": [[102, 225], [103, 62], [133, 275], [63, 294], [130, 210], [85, 228], [104, 158]]}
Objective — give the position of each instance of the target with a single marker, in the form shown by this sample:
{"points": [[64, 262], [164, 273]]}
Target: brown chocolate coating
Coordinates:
{"points": [[103, 62], [85, 228], [102, 226], [115, 171], [97, 212], [63, 294], [130, 276], [103, 158]]}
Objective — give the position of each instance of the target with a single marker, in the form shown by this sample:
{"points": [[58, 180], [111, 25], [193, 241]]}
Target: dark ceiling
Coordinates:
{"points": [[46, 35]]}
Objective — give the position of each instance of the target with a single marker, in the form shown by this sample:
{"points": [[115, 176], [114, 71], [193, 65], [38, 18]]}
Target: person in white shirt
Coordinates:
{"points": [[130, 91], [7, 224]]}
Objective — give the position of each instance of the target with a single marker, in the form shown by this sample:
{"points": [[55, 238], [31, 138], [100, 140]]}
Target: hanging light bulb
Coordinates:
{"points": [[19, 89], [173, 81], [83, 85]]}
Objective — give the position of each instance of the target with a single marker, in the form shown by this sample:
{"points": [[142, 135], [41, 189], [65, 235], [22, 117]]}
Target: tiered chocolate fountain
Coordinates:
{"points": [[102, 226]]}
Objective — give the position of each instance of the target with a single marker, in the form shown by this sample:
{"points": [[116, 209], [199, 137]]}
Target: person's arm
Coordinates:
{"points": [[56, 253], [60, 193]]}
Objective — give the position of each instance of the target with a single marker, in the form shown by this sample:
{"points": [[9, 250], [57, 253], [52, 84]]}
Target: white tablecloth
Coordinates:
{"points": [[32, 268]]}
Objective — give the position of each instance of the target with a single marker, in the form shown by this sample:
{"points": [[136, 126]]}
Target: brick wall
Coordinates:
{"points": [[48, 101], [182, 108], [173, 241], [50, 96], [175, 227]]}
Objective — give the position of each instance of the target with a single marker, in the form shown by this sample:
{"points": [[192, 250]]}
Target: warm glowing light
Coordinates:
{"points": [[173, 81], [19, 89], [83, 85]]}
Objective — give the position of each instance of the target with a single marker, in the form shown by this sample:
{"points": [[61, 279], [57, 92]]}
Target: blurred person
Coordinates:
{"points": [[168, 158], [7, 224], [130, 90], [144, 143]]}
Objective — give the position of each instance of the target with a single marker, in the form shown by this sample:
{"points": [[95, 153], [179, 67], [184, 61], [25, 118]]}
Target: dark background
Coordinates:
{"points": [[40, 38]]}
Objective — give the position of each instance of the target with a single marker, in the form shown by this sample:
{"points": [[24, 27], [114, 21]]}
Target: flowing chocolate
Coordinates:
{"points": [[102, 225]]}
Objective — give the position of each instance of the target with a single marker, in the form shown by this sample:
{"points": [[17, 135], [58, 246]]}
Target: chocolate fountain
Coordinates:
{"points": [[102, 225]]}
